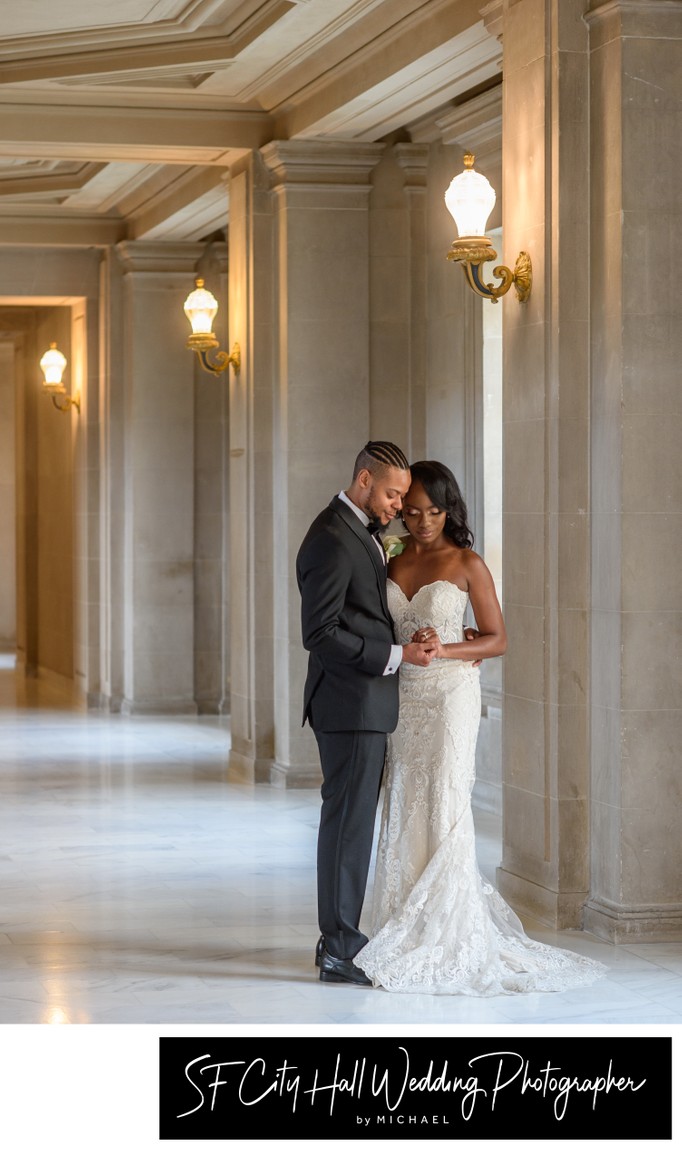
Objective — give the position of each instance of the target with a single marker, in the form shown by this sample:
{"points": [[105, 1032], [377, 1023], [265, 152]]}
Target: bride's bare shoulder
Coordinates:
{"points": [[472, 565], [471, 558]]}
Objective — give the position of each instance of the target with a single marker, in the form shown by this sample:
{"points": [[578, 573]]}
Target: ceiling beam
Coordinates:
{"points": [[46, 230], [389, 51], [156, 135]]}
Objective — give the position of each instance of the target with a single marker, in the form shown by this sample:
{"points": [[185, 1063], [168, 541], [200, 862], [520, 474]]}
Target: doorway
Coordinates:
{"points": [[38, 522]]}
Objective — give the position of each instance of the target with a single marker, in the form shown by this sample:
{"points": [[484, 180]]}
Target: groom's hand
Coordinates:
{"points": [[419, 654]]}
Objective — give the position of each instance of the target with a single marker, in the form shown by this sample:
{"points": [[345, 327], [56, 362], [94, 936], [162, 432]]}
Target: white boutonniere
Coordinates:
{"points": [[393, 545]]}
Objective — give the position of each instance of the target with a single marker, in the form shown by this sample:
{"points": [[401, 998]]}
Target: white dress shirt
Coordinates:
{"points": [[396, 656]]}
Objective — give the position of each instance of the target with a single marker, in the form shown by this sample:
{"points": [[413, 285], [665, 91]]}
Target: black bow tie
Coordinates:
{"points": [[374, 526]]}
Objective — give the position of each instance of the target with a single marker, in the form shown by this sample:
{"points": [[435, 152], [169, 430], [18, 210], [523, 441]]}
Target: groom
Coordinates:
{"points": [[351, 691]]}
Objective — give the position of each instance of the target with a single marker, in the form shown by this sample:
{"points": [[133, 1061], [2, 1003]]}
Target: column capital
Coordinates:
{"points": [[414, 160], [332, 163], [634, 17], [165, 259], [493, 17]]}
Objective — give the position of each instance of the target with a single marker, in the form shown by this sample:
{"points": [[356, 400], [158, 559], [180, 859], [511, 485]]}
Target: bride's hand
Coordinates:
{"points": [[428, 637]]}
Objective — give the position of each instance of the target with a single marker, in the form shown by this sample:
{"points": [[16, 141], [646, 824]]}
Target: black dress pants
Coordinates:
{"points": [[352, 766]]}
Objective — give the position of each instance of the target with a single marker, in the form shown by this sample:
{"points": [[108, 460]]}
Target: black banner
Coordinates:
{"points": [[412, 1088]]}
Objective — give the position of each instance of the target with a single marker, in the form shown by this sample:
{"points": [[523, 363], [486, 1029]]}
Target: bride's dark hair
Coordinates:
{"points": [[443, 490]]}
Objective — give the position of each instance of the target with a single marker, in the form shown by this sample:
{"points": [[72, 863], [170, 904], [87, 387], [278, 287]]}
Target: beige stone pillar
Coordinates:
{"points": [[158, 501], [112, 484], [591, 449], [476, 126], [546, 569], [8, 550], [300, 411], [453, 343], [26, 441], [57, 522], [86, 427], [636, 459], [211, 508], [398, 314], [254, 566]]}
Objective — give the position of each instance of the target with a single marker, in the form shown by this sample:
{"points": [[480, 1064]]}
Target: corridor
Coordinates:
{"points": [[140, 886]]}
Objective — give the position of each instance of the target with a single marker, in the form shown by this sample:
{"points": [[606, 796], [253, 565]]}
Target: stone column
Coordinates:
{"points": [[636, 224], [398, 321], [27, 395], [8, 489], [211, 508], [112, 471], [453, 342], [476, 126], [158, 501], [546, 568], [321, 402], [254, 565], [591, 573], [57, 522], [85, 435]]}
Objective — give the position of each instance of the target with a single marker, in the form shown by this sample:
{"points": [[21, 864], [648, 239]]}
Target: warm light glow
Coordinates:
{"points": [[470, 199], [57, 1016], [52, 366], [201, 308]]}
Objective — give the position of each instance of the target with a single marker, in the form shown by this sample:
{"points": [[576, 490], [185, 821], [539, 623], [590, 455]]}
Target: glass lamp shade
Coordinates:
{"points": [[52, 366], [470, 199], [201, 308]]}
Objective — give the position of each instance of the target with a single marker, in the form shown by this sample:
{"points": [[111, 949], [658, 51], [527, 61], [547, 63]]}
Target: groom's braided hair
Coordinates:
{"points": [[379, 454]]}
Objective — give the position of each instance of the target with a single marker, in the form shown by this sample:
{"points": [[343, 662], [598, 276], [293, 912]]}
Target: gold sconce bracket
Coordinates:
{"points": [[474, 251], [202, 344], [470, 198], [68, 401]]}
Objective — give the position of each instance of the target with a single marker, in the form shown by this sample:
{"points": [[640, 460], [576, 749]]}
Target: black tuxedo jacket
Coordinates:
{"points": [[346, 626]]}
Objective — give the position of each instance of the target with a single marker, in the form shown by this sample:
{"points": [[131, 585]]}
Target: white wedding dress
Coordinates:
{"points": [[437, 926]]}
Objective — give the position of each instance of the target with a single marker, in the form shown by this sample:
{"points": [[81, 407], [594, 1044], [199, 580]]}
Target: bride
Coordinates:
{"points": [[437, 926]]}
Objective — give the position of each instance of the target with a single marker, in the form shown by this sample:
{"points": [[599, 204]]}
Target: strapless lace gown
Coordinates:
{"points": [[437, 926]]}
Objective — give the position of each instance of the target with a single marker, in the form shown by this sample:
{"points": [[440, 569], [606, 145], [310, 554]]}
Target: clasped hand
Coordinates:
{"points": [[425, 645], [421, 649]]}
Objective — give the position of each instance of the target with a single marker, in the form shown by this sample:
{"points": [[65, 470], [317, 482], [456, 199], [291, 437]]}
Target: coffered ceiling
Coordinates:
{"points": [[120, 120]]}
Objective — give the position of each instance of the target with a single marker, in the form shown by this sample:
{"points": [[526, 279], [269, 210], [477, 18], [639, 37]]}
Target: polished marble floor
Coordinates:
{"points": [[137, 885]]}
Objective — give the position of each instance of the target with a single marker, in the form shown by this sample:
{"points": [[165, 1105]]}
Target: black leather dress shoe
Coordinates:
{"points": [[341, 970], [319, 950]]}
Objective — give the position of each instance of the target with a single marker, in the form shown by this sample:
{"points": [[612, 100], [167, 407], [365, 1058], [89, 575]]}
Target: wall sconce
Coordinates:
{"points": [[470, 199], [201, 307], [52, 366]]}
